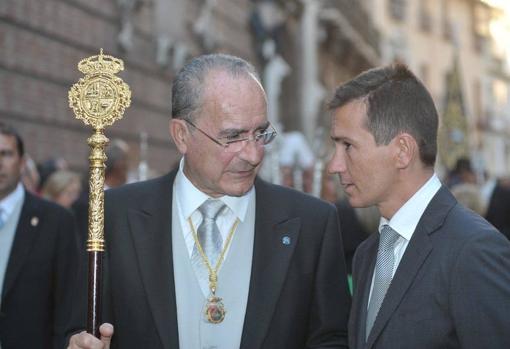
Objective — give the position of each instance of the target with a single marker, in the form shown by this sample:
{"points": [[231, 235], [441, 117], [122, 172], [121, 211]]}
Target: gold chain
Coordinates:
{"points": [[213, 273]]}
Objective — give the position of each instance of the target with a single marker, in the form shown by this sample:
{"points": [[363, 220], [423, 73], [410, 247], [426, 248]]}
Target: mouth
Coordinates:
{"points": [[243, 173], [347, 185]]}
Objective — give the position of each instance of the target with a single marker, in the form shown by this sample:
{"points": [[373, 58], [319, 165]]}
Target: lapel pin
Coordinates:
{"points": [[286, 240], [34, 221]]}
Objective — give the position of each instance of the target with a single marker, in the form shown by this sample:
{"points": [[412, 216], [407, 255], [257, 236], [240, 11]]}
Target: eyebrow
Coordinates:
{"points": [[230, 131], [341, 139]]}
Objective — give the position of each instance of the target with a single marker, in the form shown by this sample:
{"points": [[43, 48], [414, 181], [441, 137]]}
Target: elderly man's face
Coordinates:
{"points": [[232, 108]]}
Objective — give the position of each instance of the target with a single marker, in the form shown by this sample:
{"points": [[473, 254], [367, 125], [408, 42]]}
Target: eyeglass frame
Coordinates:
{"points": [[246, 139]]}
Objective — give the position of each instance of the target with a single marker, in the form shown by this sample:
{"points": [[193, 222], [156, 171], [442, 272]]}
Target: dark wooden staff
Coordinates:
{"points": [[98, 99]]}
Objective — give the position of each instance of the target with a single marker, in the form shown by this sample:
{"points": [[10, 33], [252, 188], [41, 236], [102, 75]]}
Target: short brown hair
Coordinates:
{"points": [[8, 130], [396, 102]]}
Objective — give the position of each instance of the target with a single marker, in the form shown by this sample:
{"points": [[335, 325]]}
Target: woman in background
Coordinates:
{"points": [[62, 187]]}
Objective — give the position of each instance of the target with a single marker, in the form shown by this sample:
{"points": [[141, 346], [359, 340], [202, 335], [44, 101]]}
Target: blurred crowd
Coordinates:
{"points": [[54, 180]]}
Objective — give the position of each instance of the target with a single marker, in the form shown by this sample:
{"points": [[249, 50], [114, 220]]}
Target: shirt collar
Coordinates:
{"points": [[8, 204], [190, 197], [405, 220]]}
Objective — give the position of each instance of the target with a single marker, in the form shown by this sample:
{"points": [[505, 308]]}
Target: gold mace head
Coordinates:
{"points": [[100, 98]]}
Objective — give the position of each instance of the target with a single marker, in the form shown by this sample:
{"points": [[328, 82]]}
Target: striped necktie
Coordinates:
{"points": [[383, 274], [2, 218]]}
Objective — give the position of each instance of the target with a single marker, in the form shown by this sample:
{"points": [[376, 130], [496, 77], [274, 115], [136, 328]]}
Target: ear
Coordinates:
{"points": [[406, 148], [23, 163], [180, 134]]}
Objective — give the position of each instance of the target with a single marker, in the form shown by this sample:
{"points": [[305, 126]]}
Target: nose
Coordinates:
{"points": [[336, 164], [252, 152]]}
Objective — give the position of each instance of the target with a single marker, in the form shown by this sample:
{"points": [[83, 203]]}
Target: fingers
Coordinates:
{"points": [[106, 331], [85, 340]]}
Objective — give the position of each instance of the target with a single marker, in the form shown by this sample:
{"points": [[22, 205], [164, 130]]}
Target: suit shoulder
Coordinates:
{"points": [[45, 205], [280, 195], [465, 224], [136, 190]]}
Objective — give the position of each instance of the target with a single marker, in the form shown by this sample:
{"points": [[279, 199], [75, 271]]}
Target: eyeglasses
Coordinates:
{"points": [[237, 144]]}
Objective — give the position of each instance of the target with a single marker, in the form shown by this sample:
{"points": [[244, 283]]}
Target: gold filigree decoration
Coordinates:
{"points": [[98, 99]]}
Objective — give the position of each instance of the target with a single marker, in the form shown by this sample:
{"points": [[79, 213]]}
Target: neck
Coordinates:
{"points": [[193, 181], [403, 189], [8, 192]]}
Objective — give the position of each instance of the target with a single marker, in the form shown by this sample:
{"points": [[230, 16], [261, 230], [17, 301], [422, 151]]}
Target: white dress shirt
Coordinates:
{"points": [[10, 208], [405, 220], [9, 203], [189, 198]]}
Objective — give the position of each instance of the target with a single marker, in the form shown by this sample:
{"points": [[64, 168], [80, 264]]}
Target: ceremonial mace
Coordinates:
{"points": [[98, 99]]}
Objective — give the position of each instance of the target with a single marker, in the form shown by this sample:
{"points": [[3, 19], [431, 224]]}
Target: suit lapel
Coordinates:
{"points": [[26, 232], [151, 230], [415, 255], [275, 239], [418, 249], [362, 289]]}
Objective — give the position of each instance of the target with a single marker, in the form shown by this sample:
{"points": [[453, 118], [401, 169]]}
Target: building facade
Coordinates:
{"points": [[442, 40], [303, 49], [41, 43]]}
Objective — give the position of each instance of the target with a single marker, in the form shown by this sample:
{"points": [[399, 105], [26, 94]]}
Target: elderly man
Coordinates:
{"points": [[210, 256], [436, 275]]}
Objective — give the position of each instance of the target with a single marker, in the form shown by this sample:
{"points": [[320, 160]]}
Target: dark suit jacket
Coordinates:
{"points": [[298, 295], [37, 292], [451, 288], [498, 212], [353, 233]]}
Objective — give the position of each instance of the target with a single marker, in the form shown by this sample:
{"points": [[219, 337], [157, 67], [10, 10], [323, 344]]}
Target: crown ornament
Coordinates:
{"points": [[101, 64]]}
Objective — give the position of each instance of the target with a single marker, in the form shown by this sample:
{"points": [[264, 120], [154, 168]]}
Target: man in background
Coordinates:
{"points": [[117, 164], [38, 251]]}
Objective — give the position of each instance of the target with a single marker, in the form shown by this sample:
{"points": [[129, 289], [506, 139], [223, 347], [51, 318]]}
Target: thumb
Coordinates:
{"points": [[106, 331]]}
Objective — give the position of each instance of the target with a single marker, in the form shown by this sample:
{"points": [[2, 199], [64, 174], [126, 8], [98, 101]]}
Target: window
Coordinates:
{"points": [[445, 22], [481, 21], [397, 9], [424, 16]]}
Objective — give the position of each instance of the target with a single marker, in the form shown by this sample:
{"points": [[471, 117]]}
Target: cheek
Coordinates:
{"points": [[218, 167], [364, 171], [357, 164]]}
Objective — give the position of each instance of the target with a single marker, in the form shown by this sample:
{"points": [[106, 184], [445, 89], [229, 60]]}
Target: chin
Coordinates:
{"points": [[356, 202], [238, 190]]}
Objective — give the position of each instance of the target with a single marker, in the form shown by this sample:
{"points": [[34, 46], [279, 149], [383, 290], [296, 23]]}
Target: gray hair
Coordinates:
{"points": [[116, 152], [396, 101], [187, 87]]}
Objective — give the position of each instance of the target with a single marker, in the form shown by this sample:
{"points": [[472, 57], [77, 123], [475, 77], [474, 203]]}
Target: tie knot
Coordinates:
{"points": [[388, 237], [210, 209]]}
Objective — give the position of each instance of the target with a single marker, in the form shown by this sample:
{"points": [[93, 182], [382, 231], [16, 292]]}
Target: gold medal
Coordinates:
{"points": [[214, 310]]}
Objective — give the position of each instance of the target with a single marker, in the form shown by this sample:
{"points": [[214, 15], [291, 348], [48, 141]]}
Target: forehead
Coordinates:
{"points": [[349, 118], [233, 100], [7, 141]]}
